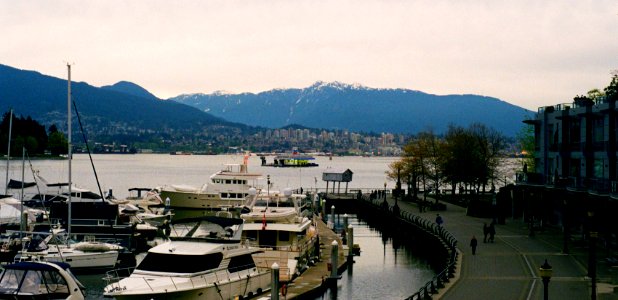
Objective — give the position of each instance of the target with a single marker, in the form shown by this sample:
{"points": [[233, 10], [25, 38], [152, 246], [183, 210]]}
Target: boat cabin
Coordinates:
{"points": [[36, 280]]}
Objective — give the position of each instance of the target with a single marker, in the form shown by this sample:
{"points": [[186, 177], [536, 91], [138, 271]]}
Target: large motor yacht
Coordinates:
{"points": [[203, 260], [227, 188]]}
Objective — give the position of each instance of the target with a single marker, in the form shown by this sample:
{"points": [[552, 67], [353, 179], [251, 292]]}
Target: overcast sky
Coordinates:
{"points": [[528, 53]]}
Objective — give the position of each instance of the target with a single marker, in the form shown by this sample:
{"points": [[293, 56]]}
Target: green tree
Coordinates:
{"points": [[57, 143], [611, 91], [26, 133], [420, 159]]}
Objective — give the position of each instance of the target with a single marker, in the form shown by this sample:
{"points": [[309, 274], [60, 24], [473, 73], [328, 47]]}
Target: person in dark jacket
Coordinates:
{"points": [[473, 244]]}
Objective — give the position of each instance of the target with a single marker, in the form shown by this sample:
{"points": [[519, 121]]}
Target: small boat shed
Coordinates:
{"points": [[337, 176]]}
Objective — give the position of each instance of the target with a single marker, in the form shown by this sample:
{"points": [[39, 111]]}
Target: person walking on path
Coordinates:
{"points": [[492, 231], [473, 244], [439, 220], [485, 232]]}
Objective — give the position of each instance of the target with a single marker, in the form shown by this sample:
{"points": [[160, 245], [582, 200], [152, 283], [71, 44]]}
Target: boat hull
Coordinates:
{"points": [[79, 261], [180, 199], [241, 286]]}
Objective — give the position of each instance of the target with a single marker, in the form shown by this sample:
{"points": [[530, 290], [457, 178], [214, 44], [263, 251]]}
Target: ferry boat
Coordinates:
{"points": [[276, 223], [294, 159], [203, 260], [227, 188], [39, 280]]}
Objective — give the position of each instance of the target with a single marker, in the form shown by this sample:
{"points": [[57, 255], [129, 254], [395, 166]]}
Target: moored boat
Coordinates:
{"points": [[276, 223], [39, 280], [228, 187], [86, 255], [202, 260]]}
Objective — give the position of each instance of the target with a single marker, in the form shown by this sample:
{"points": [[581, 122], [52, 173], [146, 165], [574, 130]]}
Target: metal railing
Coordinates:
{"points": [[438, 232]]}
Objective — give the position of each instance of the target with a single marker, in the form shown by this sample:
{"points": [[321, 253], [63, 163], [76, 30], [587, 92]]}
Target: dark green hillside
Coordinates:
{"points": [[45, 99]]}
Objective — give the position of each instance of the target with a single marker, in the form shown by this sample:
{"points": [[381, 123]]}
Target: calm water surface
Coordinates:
{"points": [[121, 172], [386, 269]]}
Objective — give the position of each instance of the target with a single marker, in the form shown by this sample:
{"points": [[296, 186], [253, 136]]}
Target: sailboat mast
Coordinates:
{"points": [[8, 154], [70, 150], [22, 225]]}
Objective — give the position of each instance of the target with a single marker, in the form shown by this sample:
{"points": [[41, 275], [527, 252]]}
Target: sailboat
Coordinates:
{"points": [[93, 255]]}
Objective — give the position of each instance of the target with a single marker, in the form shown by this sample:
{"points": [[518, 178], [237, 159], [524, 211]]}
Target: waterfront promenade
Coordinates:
{"points": [[508, 268]]}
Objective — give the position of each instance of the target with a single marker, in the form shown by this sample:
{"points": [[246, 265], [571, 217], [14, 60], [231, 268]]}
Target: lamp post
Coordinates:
{"points": [[545, 272]]}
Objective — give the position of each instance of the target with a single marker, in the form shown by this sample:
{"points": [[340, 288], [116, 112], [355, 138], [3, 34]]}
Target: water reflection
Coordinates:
{"points": [[397, 274]]}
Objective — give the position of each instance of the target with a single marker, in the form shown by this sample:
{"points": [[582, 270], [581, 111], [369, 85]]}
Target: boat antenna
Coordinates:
{"points": [[8, 153], [81, 127]]}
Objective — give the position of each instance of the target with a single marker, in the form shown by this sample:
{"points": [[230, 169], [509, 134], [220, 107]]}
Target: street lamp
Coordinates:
{"points": [[545, 272]]}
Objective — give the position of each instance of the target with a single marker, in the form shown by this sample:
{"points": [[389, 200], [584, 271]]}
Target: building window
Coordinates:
{"points": [[598, 132], [575, 168], [598, 168], [575, 132]]}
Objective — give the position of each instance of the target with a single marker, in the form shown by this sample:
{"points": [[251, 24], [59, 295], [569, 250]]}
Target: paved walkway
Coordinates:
{"points": [[508, 268]]}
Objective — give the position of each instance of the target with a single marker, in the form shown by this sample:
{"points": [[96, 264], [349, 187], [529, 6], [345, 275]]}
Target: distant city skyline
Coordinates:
{"points": [[527, 53]]}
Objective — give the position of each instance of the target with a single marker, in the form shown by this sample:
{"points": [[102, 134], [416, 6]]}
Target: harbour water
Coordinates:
{"points": [[387, 267]]}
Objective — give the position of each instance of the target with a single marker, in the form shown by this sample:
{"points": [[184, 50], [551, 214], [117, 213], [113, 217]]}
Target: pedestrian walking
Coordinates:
{"points": [[492, 231], [473, 244], [485, 232], [439, 220]]}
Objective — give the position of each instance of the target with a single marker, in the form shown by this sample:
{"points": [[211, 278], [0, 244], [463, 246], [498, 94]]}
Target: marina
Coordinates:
{"points": [[142, 164]]}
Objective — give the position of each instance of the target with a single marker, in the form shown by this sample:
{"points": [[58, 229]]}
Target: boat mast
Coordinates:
{"points": [[8, 154], [22, 225], [70, 154]]}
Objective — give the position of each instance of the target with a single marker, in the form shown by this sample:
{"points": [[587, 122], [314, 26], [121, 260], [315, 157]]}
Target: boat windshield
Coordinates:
{"points": [[179, 263], [33, 282], [274, 201]]}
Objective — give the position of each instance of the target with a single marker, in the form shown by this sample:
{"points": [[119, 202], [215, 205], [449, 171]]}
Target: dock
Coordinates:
{"points": [[314, 280]]}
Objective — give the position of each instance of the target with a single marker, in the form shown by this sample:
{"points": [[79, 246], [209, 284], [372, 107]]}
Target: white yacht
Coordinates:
{"points": [[202, 260], [39, 280], [85, 255], [275, 222], [227, 187]]}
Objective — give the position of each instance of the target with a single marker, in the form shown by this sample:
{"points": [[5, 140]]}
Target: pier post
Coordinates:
{"points": [[274, 284], [332, 217], [345, 221], [323, 209], [350, 243], [334, 255]]}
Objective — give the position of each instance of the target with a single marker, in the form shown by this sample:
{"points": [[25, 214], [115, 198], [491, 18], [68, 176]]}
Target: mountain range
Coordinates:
{"points": [[118, 107], [357, 108], [334, 105]]}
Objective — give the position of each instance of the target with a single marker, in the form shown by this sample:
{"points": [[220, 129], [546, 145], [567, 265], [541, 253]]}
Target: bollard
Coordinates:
{"points": [[323, 209], [274, 284], [314, 202], [345, 221], [332, 215], [334, 254], [350, 242]]}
